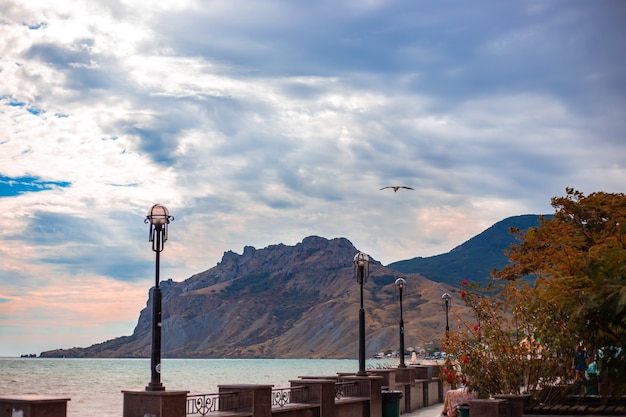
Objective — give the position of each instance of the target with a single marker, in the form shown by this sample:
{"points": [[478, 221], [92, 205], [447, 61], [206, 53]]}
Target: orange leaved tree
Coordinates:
{"points": [[565, 285]]}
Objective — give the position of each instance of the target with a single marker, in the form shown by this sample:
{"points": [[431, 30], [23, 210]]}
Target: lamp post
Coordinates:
{"points": [[400, 285], [158, 217], [445, 302], [361, 271]]}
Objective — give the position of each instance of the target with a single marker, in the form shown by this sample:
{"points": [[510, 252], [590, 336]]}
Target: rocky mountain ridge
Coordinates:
{"points": [[282, 301], [297, 301]]}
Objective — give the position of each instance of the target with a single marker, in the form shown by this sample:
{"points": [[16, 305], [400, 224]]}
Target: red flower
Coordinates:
{"points": [[476, 327], [464, 359], [445, 370], [464, 282], [559, 323], [462, 294], [450, 378]]}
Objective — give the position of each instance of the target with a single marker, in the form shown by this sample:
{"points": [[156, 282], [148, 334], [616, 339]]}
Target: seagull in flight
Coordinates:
{"points": [[397, 187]]}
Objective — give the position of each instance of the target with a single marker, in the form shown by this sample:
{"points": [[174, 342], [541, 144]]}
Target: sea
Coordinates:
{"points": [[95, 386]]}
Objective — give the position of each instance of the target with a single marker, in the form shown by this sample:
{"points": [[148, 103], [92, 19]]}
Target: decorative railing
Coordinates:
{"points": [[203, 404], [282, 396], [347, 389]]}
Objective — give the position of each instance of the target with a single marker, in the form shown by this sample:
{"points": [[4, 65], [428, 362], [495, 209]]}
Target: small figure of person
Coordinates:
{"points": [[453, 399], [580, 362]]}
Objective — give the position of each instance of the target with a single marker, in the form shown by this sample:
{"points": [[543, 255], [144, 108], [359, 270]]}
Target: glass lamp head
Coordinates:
{"points": [[159, 215], [400, 283], [361, 259]]}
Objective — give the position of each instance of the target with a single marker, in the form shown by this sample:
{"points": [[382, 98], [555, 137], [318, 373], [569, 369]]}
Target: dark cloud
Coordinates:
{"points": [[47, 228], [158, 143], [457, 51], [88, 246], [115, 262], [59, 56], [89, 75]]}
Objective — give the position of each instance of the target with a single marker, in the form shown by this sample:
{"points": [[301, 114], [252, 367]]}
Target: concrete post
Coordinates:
{"points": [[406, 378], [322, 392], [33, 406], [155, 403], [370, 386], [488, 408], [256, 399], [388, 377]]}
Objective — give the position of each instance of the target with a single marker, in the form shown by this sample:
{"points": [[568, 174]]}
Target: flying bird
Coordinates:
{"points": [[397, 187]]}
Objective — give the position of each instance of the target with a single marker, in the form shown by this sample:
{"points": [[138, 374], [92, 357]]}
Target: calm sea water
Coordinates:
{"points": [[95, 385]]}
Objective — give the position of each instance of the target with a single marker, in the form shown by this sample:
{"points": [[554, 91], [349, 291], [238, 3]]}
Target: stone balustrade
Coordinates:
{"points": [[341, 395]]}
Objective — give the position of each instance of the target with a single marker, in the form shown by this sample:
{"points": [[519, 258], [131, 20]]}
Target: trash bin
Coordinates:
{"points": [[591, 386], [391, 403], [463, 410]]}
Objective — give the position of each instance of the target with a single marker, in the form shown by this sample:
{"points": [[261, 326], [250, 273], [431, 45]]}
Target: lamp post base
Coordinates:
{"points": [[156, 404], [155, 386]]}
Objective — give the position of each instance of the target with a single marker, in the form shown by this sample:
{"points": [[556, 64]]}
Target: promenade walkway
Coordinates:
{"points": [[432, 411]]}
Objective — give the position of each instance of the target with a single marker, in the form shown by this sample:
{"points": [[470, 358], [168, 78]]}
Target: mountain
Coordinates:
{"points": [[302, 301], [473, 260], [283, 301]]}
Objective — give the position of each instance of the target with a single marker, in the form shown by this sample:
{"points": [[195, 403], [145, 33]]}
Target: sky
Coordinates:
{"points": [[264, 122]]}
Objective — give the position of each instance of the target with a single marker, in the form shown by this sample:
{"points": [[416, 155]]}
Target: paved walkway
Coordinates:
{"points": [[432, 411]]}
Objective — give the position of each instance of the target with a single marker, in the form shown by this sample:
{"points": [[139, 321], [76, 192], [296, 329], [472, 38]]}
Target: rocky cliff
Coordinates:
{"points": [[283, 301]]}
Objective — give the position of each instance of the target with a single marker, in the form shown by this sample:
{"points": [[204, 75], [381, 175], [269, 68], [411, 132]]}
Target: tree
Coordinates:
{"points": [[508, 344], [578, 261]]}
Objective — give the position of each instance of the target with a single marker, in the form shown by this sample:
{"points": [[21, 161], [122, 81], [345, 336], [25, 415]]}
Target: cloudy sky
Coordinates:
{"points": [[263, 122]]}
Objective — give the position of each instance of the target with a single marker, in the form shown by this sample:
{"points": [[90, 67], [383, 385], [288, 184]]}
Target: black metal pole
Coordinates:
{"points": [[155, 356], [361, 372], [447, 326], [402, 364]]}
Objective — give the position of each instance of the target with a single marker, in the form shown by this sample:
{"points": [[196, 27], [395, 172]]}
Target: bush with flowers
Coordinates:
{"points": [[508, 344]]}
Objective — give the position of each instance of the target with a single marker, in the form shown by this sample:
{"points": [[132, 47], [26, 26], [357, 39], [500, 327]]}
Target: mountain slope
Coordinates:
{"points": [[473, 260], [302, 301], [282, 301]]}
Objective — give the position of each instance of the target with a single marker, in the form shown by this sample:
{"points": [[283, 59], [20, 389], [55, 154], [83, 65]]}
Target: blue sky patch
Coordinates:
{"points": [[16, 103], [12, 102], [10, 187], [34, 111], [36, 25]]}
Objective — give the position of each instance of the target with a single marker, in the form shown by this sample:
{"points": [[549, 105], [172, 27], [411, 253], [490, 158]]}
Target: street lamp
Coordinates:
{"points": [[400, 286], [159, 218], [445, 303], [361, 271]]}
